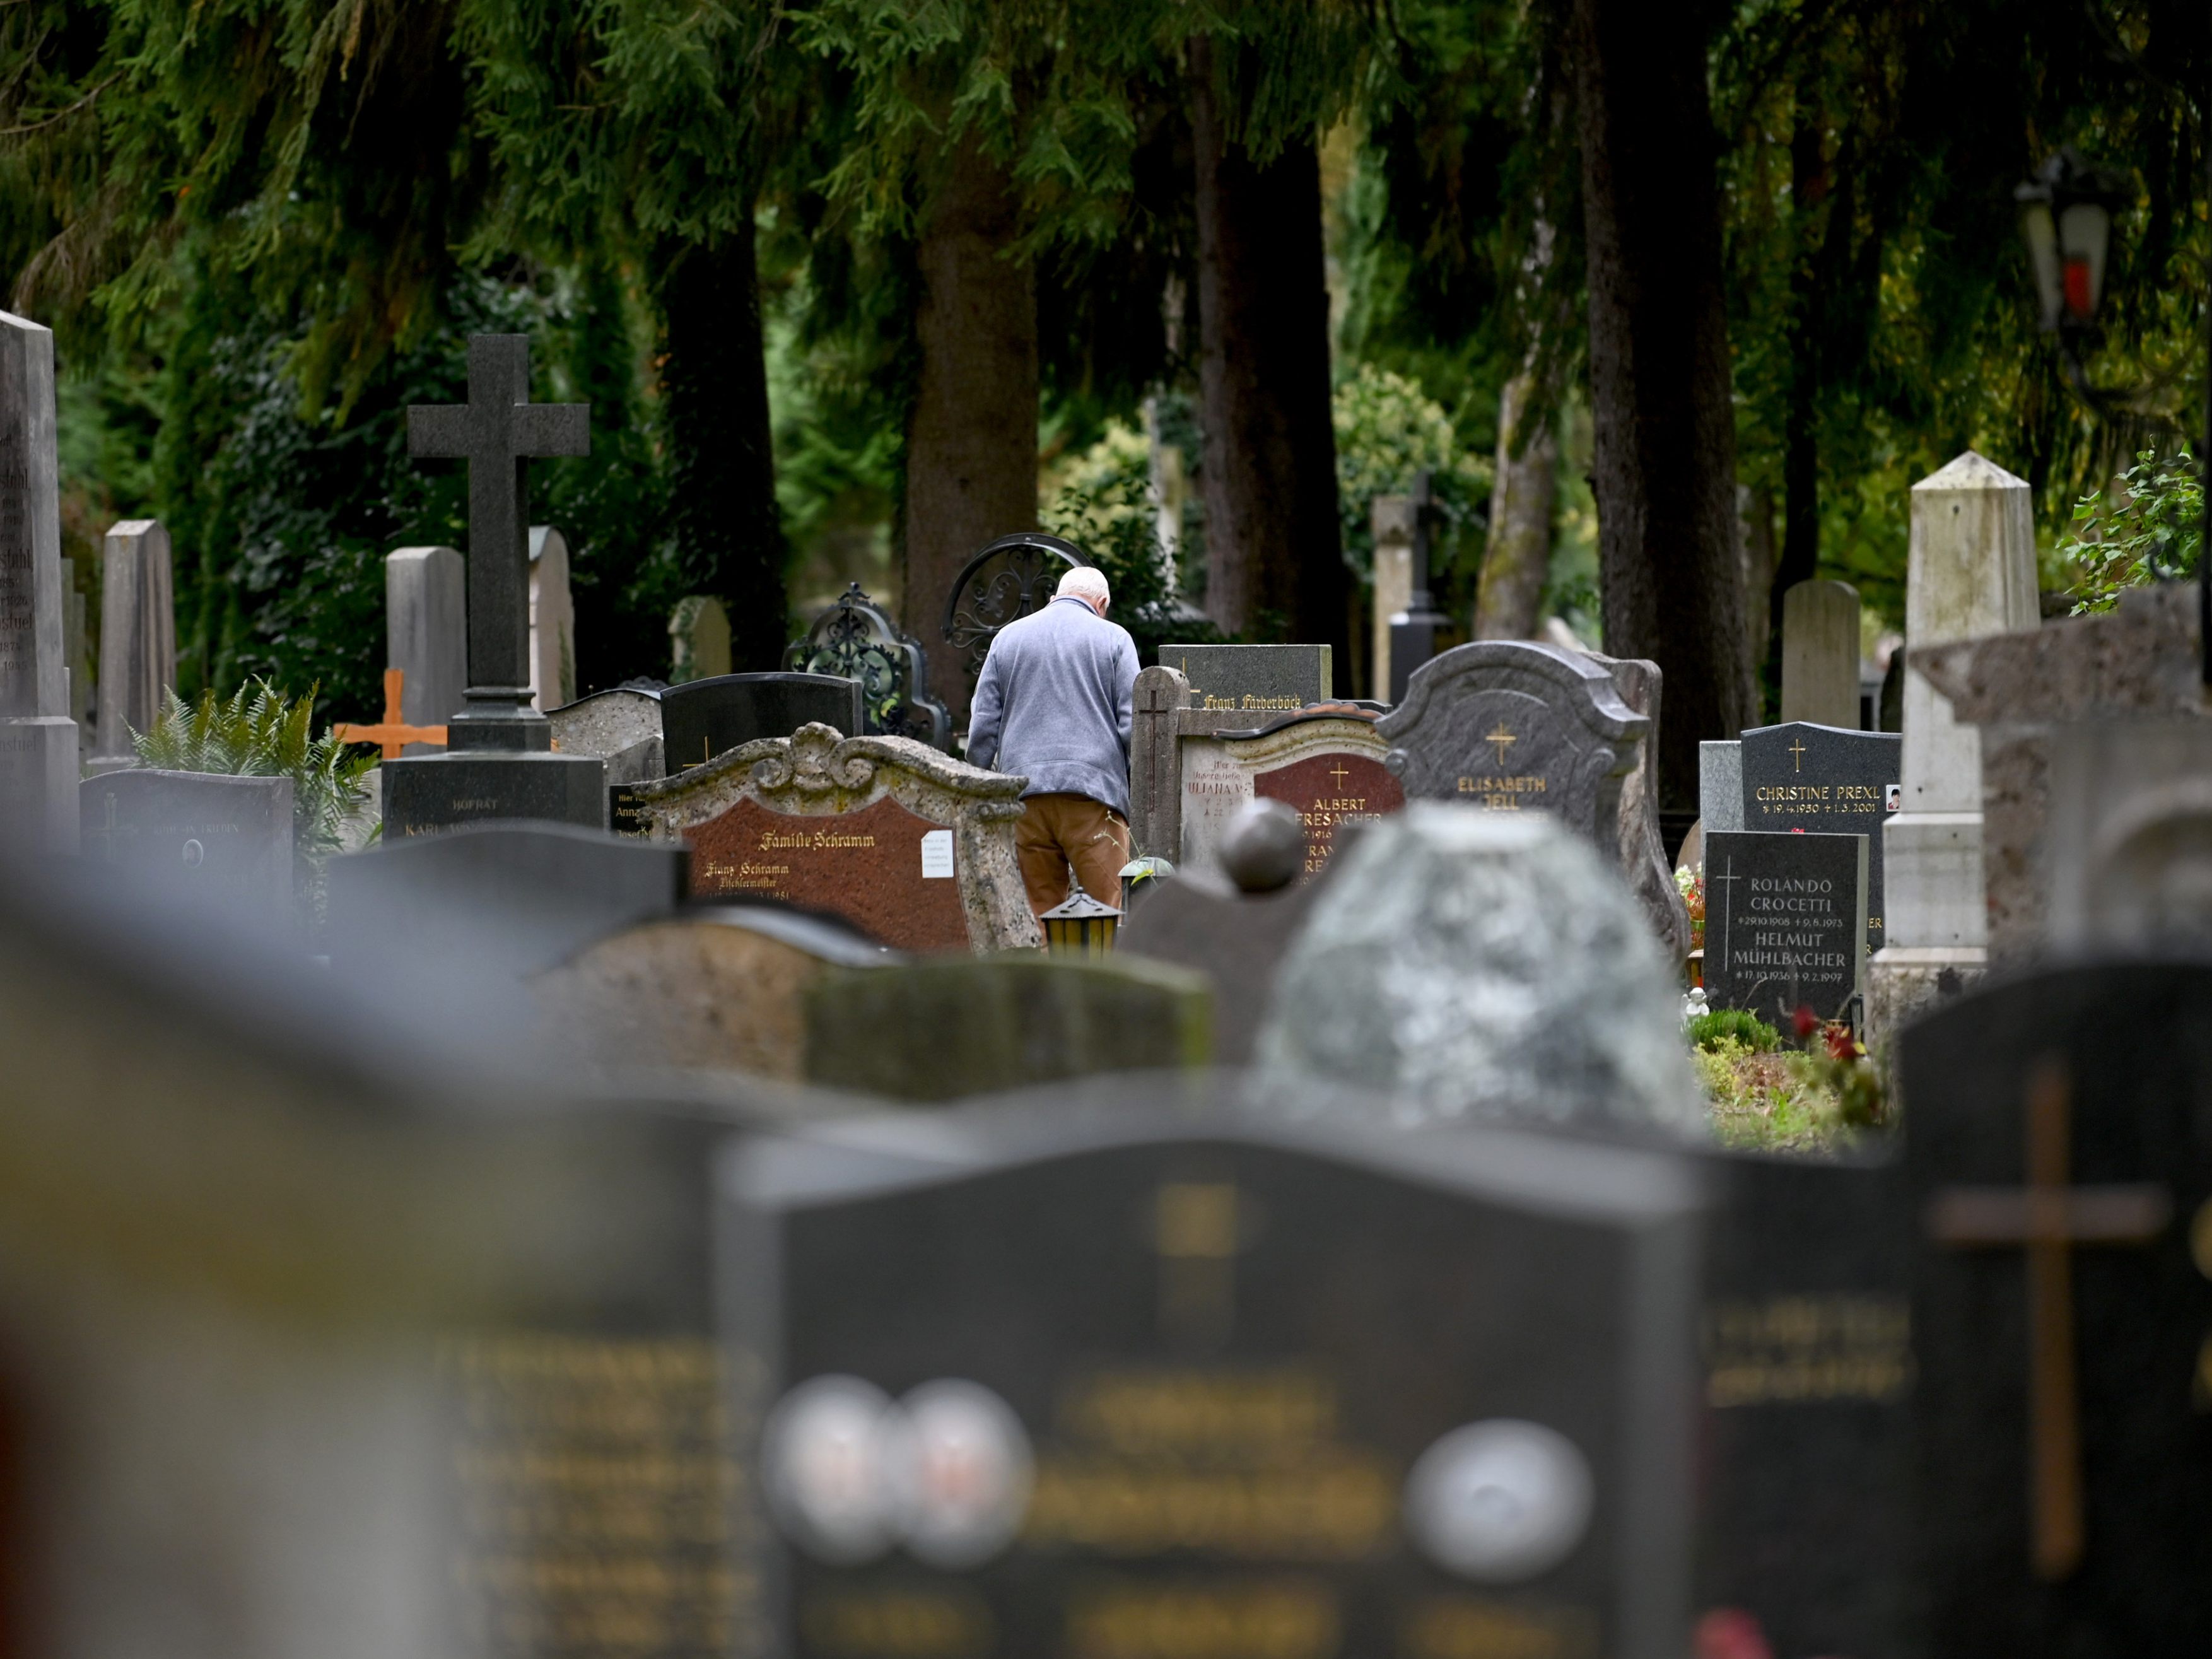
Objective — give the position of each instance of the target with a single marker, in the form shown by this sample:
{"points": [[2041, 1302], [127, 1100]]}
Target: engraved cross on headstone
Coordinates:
{"points": [[2047, 1218], [497, 432]]}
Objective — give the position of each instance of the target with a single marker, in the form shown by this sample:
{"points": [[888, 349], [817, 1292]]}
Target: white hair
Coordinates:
{"points": [[1085, 581]]}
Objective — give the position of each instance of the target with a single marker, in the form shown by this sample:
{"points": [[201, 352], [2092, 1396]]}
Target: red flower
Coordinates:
{"points": [[1837, 1034], [1805, 1021], [1729, 1633]]}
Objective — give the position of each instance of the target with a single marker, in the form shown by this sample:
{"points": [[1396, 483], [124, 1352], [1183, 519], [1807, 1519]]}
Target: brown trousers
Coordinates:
{"points": [[1057, 831]]}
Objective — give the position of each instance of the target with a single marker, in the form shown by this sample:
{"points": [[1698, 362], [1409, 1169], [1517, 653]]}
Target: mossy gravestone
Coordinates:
{"points": [[940, 1029]]}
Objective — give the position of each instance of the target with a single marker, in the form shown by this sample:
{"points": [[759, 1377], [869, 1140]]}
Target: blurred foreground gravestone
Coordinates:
{"points": [[717, 987], [912, 846], [1131, 1365], [2060, 1162], [939, 1031], [1483, 967], [316, 1336], [2129, 838]]}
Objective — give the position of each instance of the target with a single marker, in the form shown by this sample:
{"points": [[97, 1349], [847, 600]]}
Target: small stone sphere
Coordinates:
{"points": [[1264, 847]]}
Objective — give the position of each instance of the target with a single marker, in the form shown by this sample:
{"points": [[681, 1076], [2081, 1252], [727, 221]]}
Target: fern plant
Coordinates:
{"points": [[259, 733]]}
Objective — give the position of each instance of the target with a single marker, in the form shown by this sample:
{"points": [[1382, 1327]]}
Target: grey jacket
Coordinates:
{"points": [[1054, 704]]}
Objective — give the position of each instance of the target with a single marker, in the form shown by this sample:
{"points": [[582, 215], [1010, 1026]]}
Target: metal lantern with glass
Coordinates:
{"points": [[1081, 926]]}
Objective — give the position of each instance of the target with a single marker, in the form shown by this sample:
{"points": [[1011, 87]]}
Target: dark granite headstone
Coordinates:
{"points": [[217, 844], [1826, 780], [1784, 916], [1510, 726], [1804, 1502], [1262, 679], [702, 718], [1123, 1367], [2064, 1410], [505, 899]]}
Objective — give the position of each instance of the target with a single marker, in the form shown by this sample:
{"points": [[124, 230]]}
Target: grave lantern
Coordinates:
{"points": [[1080, 926], [2066, 215]]}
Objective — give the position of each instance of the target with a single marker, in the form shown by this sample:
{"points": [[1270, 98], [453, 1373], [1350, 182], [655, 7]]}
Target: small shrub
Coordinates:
{"points": [[2149, 529], [1737, 1026]]}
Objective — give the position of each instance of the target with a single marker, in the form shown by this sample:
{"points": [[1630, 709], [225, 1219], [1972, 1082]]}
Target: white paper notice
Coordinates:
{"points": [[937, 854]]}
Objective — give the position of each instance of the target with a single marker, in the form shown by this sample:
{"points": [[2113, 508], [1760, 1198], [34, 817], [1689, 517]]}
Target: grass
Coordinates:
{"points": [[1776, 1099]]}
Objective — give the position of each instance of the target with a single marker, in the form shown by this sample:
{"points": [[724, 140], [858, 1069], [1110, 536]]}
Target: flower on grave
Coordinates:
{"points": [[1836, 1036], [1730, 1633], [1804, 1022]]}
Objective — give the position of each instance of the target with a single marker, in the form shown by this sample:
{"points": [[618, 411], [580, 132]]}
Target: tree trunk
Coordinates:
{"points": [[971, 441], [1519, 556], [1660, 375], [1274, 557], [729, 536]]}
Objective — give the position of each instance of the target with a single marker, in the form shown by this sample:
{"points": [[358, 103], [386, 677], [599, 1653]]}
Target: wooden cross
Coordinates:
{"points": [[1340, 774], [393, 732], [2047, 1218], [1797, 751], [1501, 737]]}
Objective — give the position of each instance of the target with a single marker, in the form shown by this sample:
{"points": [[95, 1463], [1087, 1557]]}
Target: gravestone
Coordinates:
{"points": [[1327, 768], [621, 726], [499, 763], [37, 738], [492, 903], [1482, 967], [552, 622], [425, 624], [83, 682], [1806, 1446], [1720, 786], [1971, 572], [1512, 726], [2130, 857], [1825, 781], [718, 987], [137, 634], [2139, 662], [2060, 1163], [1820, 654], [218, 846], [912, 846], [1643, 849], [1234, 923], [699, 635], [939, 1030], [1392, 519], [1258, 680], [1093, 1372], [702, 718], [1785, 922]]}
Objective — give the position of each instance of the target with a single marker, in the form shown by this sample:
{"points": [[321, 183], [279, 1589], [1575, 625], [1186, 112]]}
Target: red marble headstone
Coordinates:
{"points": [[1326, 790], [866, 866]]}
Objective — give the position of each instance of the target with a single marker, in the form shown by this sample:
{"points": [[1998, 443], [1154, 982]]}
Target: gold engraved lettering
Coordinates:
{"points": [[1158, 1412], [1797, 1350], [1284, 1620], [899, 1624], [1470, 1627]]}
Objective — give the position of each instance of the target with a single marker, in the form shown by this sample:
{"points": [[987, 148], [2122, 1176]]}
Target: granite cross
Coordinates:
{"points": [[393, 733], [496, 432], [2047, 1217]]}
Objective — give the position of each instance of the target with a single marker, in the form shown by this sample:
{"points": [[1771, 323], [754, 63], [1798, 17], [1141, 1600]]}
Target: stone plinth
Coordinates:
{"points": [[137, 634], [37, 738]]}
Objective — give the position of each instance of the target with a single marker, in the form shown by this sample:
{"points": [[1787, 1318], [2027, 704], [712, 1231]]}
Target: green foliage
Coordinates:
{"points": [[1105, 508], [1768, 1101], [1388, 430], [257, 731], [1737, 1026], [2147, 527]]}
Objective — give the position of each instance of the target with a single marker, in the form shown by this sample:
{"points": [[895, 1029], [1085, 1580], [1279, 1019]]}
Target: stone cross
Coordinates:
{"points": [[2047, 1218], [393, 733], [497, 432]]}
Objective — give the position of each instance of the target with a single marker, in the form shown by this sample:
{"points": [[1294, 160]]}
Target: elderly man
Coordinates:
{"points": [[1054, 704]]}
